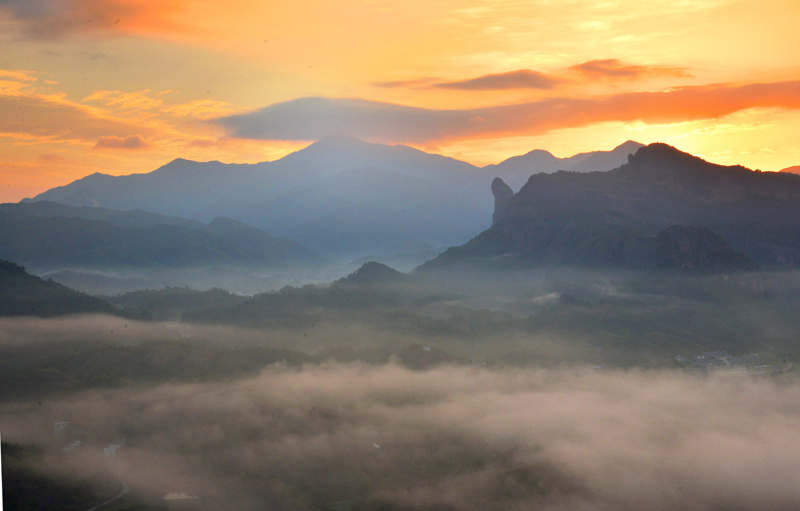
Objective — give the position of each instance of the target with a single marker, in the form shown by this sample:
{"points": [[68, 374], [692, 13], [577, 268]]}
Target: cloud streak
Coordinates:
{"points": [[613, 69], [55, 19], [315, 118], [54, 118], [131, 142], [609, 70], [522, 79]]}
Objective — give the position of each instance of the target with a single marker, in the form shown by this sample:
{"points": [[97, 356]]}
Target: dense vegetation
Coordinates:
{"points": [[22, 294]]}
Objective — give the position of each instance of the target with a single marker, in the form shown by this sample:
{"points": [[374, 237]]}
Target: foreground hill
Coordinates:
{"points": [[339, 196], [49, 236], [614, 217], [22, 294]]}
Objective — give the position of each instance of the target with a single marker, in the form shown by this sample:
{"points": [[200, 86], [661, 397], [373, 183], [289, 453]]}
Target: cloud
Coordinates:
{"points": [[522, 79], [54, 19], [203, 143], [52, 159], [418, 83], [18, 75], [107, 119], [449, 438], [129, 101], [613, 69], [593, 70], [315, 118], [131, 142], [55, 118]]}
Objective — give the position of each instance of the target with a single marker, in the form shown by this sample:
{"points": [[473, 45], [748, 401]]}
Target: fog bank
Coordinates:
{"points": [[448, 438]]}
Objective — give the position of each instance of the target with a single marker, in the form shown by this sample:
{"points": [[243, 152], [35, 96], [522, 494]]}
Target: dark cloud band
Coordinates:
{"points": [[315, 118]]}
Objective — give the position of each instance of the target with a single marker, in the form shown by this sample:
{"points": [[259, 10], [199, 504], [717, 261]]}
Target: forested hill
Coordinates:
{"points": [[22, 294]]}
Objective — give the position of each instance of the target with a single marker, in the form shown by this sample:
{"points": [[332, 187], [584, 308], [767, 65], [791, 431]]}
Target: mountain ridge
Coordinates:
{"points": [[333, 178], [560, 217]]}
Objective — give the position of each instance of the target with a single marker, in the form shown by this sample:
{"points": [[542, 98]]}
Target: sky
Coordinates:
{"points": [[125, 86]]}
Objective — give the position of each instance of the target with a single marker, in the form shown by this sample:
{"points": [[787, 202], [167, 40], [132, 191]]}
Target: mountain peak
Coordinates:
{"points": [[177, 163], [540, 153], [629, 145], [659, 152], [340, 141]]}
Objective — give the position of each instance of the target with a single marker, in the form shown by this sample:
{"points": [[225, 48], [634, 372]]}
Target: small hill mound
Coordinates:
{"points": [[372, 273]]}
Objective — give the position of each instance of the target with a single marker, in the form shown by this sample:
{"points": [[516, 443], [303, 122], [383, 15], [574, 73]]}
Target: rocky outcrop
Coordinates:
{"points": [[614, 217], [502, 193], [698, 250]]}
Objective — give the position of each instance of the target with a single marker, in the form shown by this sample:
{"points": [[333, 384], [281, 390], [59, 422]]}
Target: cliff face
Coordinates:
{"points": [[502, 193], [698, 250], [614, 217]]}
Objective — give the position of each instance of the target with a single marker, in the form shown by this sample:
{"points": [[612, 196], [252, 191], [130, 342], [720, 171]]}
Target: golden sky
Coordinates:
{"points": [[124, 86]]}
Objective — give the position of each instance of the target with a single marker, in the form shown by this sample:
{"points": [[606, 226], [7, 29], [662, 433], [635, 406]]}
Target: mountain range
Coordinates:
{"points": [[616, 217], [340, 196]]}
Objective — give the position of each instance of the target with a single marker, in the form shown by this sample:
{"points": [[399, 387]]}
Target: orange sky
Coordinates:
{"points": [[124, 86]]}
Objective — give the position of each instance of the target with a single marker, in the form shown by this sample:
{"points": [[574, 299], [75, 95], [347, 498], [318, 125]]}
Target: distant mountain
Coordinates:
{"points": [[22, 294], [515, 171], [614, 217], [792, 170], [33, 235], [339, 196]]}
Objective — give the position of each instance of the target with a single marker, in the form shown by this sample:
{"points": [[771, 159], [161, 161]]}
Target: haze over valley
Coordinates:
{"points": [[582, 351], [473, 255]]}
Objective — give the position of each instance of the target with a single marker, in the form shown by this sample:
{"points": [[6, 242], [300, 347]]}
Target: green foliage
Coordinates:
{"points": [[172, 302], [22, 294]]}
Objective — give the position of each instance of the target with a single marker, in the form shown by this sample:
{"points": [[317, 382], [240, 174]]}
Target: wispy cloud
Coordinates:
{"points": [[608, 70], [416, 83], [54, 118], [522, 79], [54, 19], [315, 118], [139, 100], [32, 108], [613, 69], [131, 142]]}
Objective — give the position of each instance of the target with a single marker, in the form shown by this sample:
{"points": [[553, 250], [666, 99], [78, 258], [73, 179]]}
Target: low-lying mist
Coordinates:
{"points": [[357, 436]]}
